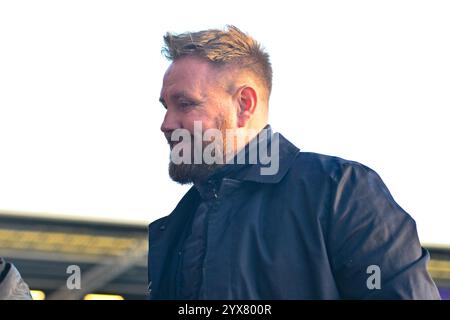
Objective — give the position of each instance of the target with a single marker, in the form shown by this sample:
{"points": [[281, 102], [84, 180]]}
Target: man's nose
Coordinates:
{"points": [[171, 122]]}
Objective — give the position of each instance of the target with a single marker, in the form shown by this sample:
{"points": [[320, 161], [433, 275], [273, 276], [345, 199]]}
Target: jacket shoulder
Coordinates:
{"points": [[326, 166], [157, 223]]}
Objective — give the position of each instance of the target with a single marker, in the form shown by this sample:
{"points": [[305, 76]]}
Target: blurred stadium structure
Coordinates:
{"points": [[112, 257]]}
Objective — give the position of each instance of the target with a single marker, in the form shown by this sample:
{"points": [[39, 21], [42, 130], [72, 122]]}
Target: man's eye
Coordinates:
{"points": [[186, 104]]}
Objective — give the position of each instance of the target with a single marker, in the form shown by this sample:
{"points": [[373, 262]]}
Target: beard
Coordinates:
{"points": [[186, 173]]}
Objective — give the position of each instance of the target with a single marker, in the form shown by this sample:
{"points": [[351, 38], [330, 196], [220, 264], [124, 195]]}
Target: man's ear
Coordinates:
{"points": [[247, 99]]}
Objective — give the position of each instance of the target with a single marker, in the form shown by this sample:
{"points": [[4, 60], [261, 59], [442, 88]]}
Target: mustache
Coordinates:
{"points": [[170, 142], [175, 142]]}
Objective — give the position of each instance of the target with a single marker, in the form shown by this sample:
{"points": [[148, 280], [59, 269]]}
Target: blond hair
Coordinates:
{"points": [[222, 48]]}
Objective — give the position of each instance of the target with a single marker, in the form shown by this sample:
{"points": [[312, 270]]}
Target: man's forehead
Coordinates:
{"points": [[190, 68], [188, 76], [176, 90]]}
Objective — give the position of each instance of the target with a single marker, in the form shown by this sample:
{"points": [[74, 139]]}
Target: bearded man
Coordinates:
{"points": [[262, 219]]}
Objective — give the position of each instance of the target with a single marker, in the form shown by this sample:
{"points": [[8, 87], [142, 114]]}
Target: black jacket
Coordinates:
{"points": [[315, 230]]}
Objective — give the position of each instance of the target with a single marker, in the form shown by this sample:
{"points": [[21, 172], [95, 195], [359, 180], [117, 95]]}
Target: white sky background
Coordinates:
{"points": [[80, 80]]}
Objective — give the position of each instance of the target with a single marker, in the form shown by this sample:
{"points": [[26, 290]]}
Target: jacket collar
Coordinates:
{"points": [[282, 158], [285, 153]]}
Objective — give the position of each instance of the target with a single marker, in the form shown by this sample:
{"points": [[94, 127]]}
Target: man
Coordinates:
{"points": [[290, 225]]}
